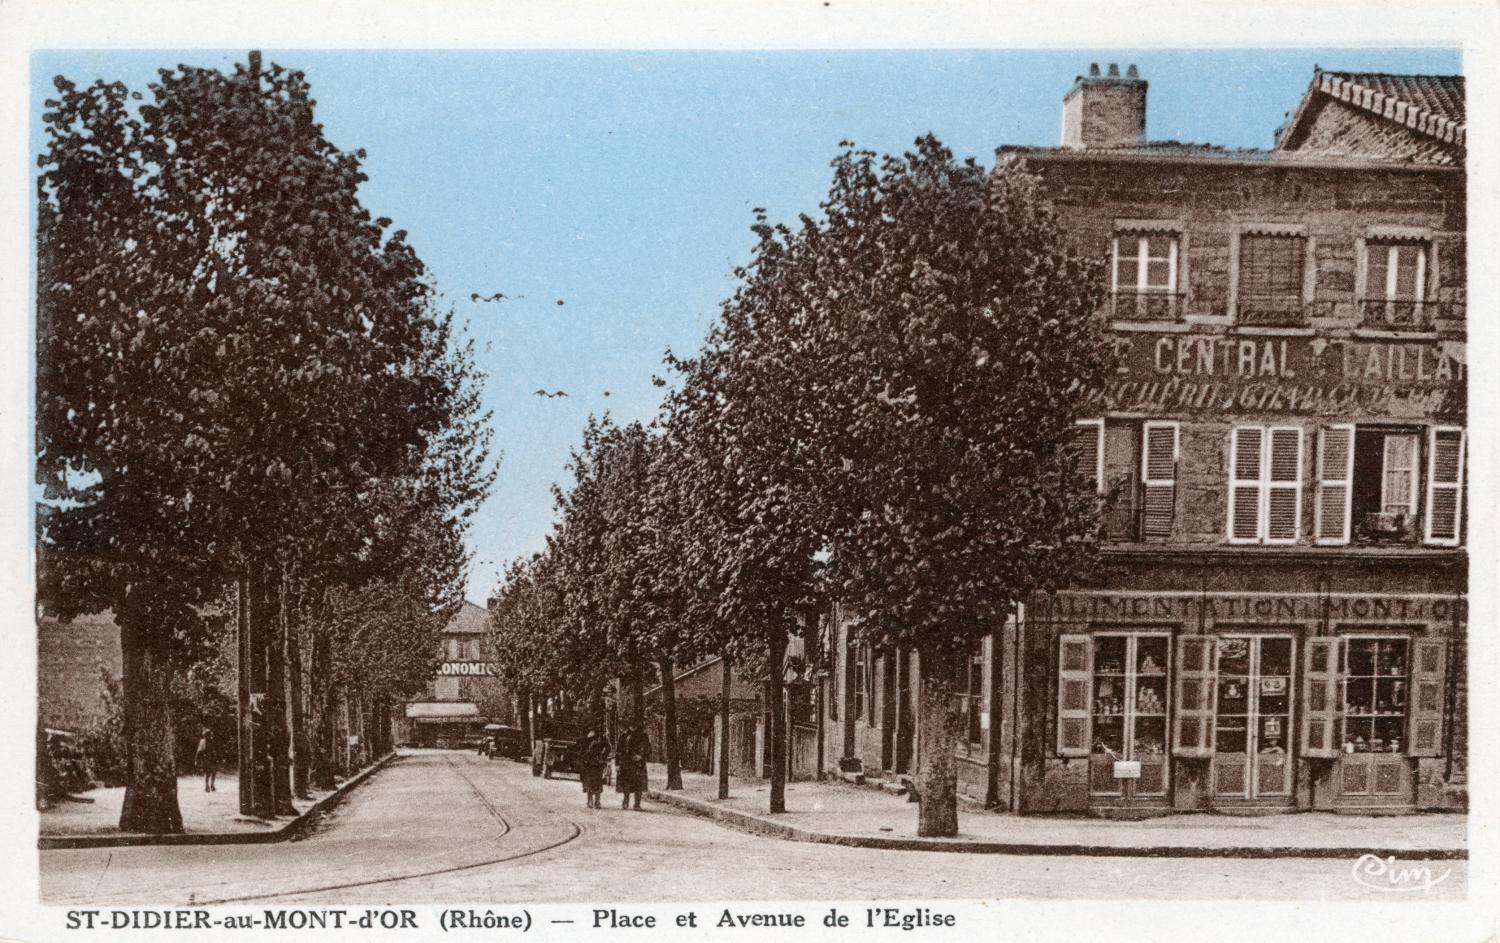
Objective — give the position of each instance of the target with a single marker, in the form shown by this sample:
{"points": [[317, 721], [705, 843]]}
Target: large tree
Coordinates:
{"points": [[936, 338], [231, 355]]}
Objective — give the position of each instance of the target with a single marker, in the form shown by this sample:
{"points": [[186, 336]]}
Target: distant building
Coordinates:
{"points": [[1284, 625], [463, 695]]}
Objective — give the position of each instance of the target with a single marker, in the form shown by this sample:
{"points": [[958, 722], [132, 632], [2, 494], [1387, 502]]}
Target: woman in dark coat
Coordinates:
{"points": [[631, 751], [593, 754]]}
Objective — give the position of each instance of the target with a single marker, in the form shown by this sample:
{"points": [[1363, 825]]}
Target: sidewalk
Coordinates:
{"points": [[834, 812], [208, 818]]}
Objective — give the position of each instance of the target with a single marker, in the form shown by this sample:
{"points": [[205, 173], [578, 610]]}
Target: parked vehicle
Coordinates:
{"points": [[553, 750], [502, 741]]}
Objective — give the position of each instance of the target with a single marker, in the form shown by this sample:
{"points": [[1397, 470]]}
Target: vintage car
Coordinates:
{"points": [[502, 741], [553, 749]]}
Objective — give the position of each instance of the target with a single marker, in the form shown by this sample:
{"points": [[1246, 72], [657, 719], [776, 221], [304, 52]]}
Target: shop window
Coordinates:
{"points": [[1271, 271], [1253, 713], [1395, 283], [1376, 685], [1265, 487], [1128, 715], [1144, 277], [1445, 477]]}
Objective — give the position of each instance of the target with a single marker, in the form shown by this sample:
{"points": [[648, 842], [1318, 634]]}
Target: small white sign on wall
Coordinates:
{"points": [[1127, 769]]}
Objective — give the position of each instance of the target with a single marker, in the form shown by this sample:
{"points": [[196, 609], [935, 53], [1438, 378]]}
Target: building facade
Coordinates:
{"points": [[464, 693], [1281, 622]]}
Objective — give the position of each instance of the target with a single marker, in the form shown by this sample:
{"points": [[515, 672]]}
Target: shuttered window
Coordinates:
{"points": [[1265, 485], [1193, 732], [1075, 667], [1270, 275], [1395, 271], [1088, 441], [1335, 476], [1445, 475], [1425, 715], [1159, 478]]}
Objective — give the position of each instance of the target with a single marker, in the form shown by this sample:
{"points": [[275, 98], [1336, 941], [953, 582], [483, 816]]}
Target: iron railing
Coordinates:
{"points": [[1145, 306], [1401, 315]]}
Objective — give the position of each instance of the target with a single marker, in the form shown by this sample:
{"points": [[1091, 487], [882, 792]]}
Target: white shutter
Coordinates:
{"points": [[1335, 476], [1088, 438], [1159, 478], [1284, 486], [1445, 475], [1245, 459]]}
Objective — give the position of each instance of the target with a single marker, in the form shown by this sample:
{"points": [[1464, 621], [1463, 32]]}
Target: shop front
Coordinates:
{"points": [[1240, 701], [443, 725]]}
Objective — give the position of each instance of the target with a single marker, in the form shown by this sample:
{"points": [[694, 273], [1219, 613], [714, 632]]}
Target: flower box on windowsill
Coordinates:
{"points": [[1386, 528]]}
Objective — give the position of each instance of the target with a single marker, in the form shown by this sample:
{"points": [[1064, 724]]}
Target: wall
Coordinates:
{"points": [[1339, 129]]}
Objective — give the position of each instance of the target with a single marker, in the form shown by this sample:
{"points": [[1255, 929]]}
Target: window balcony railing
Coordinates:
{"points": [[1145, 306], [1401, 315], [1273, 312]]}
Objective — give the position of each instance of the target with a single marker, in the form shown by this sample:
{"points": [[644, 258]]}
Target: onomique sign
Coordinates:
{"points": [[466, 668]]}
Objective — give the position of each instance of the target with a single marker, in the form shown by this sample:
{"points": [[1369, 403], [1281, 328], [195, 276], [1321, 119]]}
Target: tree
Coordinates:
{"points": [[935, 337], [231, 356]]}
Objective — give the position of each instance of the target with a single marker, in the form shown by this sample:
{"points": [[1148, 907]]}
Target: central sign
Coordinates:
{"points": [[1295, 375]]}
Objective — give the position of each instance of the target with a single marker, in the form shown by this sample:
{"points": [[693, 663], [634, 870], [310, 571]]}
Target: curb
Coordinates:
{"points": [[283, 833], [753, 823]]}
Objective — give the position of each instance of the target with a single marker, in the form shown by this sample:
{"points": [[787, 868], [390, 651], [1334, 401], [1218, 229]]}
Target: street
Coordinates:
{"points": [[452, 827]]}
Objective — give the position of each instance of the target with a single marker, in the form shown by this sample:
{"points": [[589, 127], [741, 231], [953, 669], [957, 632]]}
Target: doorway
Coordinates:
{"points": [[1252, 738], [1129, 716]]}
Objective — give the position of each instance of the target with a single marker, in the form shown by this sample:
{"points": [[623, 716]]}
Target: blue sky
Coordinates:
{"points": [[622, 184]]}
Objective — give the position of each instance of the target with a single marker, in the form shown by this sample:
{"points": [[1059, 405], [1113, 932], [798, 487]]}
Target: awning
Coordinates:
{"points": [[442, 710]]}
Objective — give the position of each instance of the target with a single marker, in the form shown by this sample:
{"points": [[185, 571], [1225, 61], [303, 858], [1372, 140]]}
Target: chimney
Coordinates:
{"points": [[1105, 110]]}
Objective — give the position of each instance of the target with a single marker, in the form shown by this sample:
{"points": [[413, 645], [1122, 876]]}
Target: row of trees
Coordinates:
{"points": [[881, 416], [251, 418]]}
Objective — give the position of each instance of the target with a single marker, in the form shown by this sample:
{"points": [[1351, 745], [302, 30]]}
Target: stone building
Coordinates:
{"points": [[1283, 622], [463, 695]]}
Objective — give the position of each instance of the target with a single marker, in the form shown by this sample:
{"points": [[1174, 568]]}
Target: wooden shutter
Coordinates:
{"points": [[1245, 452], [1322, 703], [1284, 486], [1424, 712], [1088, 438], [1335, 476], [1159, 477], [1075, 673], [1445, 475], [1193, 729]]}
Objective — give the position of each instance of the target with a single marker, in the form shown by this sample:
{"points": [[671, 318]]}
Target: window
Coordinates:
{"points": [[1144, 276], [455, 652], [1395, 282], [1445, 476], [1129, 713], [1375, 689], [1271, 272], [971, 701], [1254, 704], [1265, 488], [1384, 488]]}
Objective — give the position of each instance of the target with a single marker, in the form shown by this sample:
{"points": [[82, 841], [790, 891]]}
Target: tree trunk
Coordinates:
{"points": [[275, 706], [295, 714], [150, 752], [776, 698], [256, 793], [669, 717], [724, 702], [941, 725], [523, 709], [320, 760]]}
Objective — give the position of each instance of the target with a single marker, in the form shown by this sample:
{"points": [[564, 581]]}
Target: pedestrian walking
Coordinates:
{"points": [[593, 755], [206, 762], [631, 752]]}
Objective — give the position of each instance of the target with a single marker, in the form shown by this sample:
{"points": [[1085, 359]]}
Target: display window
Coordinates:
{"points": [[1376, 681], [1129, 715], [1253, 716]]}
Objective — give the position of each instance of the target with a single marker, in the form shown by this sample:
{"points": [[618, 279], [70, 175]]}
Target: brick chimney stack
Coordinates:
{"points": [[1105, 110]]}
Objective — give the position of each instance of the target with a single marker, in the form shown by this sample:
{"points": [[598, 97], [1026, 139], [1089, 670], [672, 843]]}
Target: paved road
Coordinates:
{"points": [[446, 828]]}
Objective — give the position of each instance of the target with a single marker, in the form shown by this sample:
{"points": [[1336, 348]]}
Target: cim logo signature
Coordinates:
{"points": [[1384, 874]]}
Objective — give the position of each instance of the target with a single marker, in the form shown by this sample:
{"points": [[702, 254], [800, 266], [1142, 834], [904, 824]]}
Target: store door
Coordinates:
{"points": [[1254, 717], [1130, 717], [1374, 770]]}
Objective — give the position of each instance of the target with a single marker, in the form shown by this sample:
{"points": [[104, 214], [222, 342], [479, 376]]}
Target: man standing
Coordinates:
{"points": [[631, 751], [205, 761]]}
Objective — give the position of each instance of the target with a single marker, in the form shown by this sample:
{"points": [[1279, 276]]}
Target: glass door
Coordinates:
{"points": [[1130, 715], [1376, 681], [1254, 717]]}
